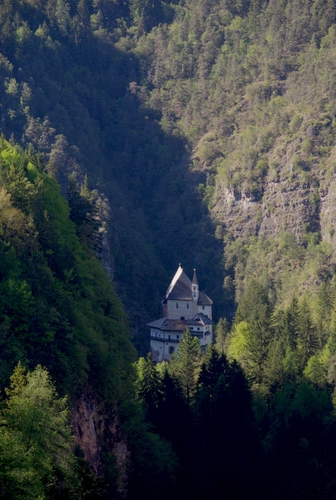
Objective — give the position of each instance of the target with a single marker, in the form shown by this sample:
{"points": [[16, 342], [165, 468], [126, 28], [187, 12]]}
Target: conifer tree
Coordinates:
{"points": [[35, 438], [186, 364], [150, 388], [307, 335], [325, 307], [221, 334], [213, 366], [254, 297], [84, 211], [288, 326], [261, 335], [174, 415], [274, 369], [227, 443]]}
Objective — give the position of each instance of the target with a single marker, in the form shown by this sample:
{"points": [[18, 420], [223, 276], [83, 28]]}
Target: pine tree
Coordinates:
{"points": [[307, 335], [221, 333], [326, 302], [150, 388], [261, 335], [174, 416], [227, 445], [84, 212], [255, 296], [186, 364], [288, 325], [213, 366], [274, 369]]}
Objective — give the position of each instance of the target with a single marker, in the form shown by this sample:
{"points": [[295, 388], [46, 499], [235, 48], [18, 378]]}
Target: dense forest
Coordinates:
{"points": [[137, 135]]}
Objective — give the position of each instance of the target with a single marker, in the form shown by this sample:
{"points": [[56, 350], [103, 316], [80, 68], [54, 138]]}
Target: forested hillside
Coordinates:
{"points": [[70, 90], [201, 124], [193, 131], [61, 319]]}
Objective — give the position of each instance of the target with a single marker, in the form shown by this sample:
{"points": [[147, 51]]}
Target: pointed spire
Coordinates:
{"points": [[195, 281]]}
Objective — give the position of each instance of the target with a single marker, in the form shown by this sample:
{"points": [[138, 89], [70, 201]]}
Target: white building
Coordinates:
{"points": [[183, 306]]}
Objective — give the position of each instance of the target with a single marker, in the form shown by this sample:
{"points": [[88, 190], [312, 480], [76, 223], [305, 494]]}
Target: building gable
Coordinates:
{"points": [[180, 287]]}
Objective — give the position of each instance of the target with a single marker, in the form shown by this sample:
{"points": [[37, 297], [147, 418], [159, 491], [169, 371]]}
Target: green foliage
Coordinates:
{"points": [[239, 341], [150, 387], [315, 371], [307, 338], [185, 366], [57, 306], [36, 440], [221, 333], [249, 88], [150, 453]]}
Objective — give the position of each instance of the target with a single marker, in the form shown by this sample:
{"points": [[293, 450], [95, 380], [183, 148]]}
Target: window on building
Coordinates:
{"points": [[187, 306], [176, 305], [171, 350], [177, 336], [203, 308]]}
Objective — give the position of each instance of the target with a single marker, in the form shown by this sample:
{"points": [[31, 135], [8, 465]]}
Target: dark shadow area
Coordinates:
{"points": [[76, 97]]}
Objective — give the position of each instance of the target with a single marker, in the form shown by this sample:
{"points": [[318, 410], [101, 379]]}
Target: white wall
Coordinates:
{"points": [[174, 312], [207, 311], [160, 350]]}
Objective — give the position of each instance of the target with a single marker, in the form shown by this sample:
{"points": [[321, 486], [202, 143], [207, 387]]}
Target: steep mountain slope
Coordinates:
{"points": [[206, 129], [250, 84], [51, 311], [59, 309], [178, 111], [68, 88]]}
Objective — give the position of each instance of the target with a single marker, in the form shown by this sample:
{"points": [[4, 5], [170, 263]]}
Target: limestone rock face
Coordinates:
{"points": [[328, 211], [236, 211], [89, 424], [285, 206]]}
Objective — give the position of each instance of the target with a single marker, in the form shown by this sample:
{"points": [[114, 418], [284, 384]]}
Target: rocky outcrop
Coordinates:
{"points": [[91, 426], [286, 206]]}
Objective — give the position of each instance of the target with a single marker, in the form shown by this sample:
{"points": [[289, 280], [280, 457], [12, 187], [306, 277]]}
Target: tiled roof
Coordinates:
{"points": [[158, 323], [204, 300], [165, 324], [179, 325], [200, 319], [180, 287]]}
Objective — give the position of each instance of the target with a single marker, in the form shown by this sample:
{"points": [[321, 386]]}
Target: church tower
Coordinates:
{"points": [[195, 288], [183, 306]]}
